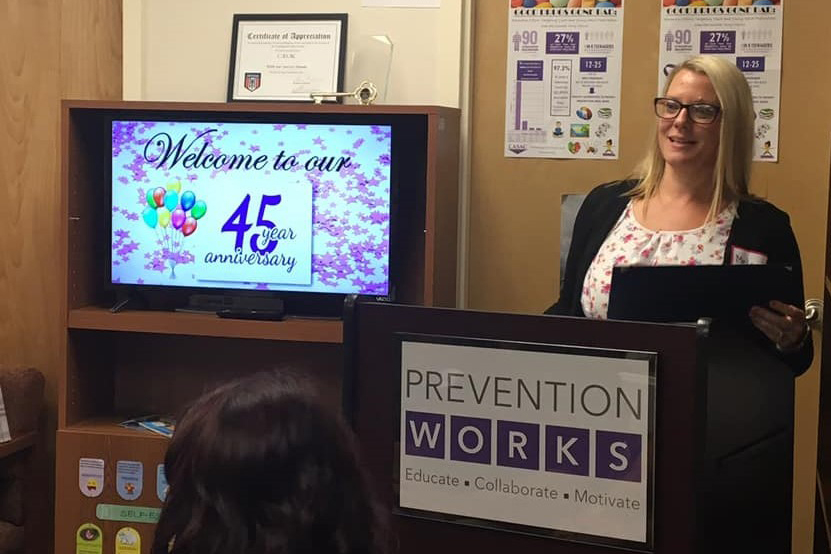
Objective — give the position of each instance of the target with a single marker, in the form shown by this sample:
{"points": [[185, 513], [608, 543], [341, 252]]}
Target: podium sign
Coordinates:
{"points": [[534, 438], [474, 426]]}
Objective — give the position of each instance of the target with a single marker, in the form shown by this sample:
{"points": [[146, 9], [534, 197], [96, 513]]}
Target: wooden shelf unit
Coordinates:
{"points": [[18, 444], [207, 325], [109, 426], [121, 365]]}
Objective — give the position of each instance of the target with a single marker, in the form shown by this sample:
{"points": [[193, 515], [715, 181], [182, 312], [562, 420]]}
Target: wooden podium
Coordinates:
{"points": [[119, 365], [720, 449]]}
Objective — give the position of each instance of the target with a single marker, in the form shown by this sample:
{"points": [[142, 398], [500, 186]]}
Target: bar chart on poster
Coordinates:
{"points": [[563, 81], [528, 103]]}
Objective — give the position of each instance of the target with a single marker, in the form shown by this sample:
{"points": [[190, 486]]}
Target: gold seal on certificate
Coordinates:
{"points": [[285, 57]]}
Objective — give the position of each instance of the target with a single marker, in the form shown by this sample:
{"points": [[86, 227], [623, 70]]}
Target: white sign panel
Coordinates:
{"points": [[563, 80], [750, 35], [550, 438]]}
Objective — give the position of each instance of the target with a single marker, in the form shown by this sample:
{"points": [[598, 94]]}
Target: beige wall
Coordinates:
{"points": [[430, 59], [68, 48], [514, 203], [49, 49], [425, 63]]}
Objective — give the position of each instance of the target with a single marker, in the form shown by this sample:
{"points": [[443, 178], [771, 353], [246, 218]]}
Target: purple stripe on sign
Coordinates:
{"points": [[718, 42], [562, 43], [518, 444], [567, 450], [424, 434], [470, 439], [529, 70], [618, 456]]}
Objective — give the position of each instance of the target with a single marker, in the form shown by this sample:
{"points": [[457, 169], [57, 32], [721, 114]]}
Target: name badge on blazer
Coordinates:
{"points": [[743, 256]]}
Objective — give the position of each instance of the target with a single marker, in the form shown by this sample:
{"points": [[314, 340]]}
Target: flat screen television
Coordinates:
{"points": [[264, 207]]}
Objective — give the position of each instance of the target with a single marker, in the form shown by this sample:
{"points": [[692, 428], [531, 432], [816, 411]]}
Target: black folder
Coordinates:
{"points": [[687, 293]]}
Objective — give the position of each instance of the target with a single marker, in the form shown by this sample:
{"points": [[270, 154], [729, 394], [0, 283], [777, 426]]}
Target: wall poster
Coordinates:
{"points": [[563, 79], [748, 32]]}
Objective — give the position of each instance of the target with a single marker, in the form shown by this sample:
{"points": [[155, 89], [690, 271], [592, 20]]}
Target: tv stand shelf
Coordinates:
{"points": [[206, 325], [138, 362], [109, 426]]}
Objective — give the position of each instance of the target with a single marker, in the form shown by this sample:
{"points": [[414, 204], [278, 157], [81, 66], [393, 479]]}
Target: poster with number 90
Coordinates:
{"points": [[748, 33]]}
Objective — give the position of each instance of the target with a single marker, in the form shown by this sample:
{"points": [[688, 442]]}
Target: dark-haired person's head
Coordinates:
{"points": [[260, 466]]}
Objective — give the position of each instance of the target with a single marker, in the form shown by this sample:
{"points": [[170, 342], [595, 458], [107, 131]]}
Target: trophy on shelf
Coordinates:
{"points": [[365, 94], [369, 71]]}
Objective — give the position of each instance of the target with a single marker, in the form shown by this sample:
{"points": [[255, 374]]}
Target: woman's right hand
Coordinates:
{"points": [[784, 324]]}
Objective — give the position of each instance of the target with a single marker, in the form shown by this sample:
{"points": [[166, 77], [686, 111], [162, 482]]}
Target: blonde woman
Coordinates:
{"points": [[690, 206]]}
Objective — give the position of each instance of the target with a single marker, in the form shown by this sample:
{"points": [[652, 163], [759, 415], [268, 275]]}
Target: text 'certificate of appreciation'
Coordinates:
{"points": [[286, 59]]}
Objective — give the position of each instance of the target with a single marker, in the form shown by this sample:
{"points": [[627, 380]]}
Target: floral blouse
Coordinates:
{"points": [[630, 243]]}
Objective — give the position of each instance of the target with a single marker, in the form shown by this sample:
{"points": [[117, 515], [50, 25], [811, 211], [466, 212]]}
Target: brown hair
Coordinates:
{"points": [[260, 466]]}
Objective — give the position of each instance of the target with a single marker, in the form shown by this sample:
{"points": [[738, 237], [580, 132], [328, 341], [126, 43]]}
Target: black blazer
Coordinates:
{"points": [[759, 226]]}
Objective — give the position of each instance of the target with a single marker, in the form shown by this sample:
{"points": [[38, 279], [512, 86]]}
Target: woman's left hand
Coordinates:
{"points": [[782, 323]]}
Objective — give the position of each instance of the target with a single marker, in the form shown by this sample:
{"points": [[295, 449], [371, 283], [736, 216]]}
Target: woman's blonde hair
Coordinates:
{"points": [[731, 174]]}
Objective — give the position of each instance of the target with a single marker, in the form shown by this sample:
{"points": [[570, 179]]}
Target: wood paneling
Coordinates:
{"points": [[822, 517], [29, 75], [91, 49], [49, 49], [29, 286], [515, 203]]}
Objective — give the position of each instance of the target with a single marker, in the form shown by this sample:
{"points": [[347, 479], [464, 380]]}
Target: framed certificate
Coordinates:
{"points": [[286, 57]]}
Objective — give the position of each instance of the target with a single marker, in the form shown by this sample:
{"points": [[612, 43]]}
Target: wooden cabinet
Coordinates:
{"points": [[822, 502], [134, 362]]}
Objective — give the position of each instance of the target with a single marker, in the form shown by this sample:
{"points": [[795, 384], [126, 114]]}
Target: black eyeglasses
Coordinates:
{"points": [[667, 108]]}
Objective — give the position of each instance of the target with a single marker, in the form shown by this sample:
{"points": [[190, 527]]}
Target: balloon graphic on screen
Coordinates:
{"points": [[164, 217], [188, 199], [150, 217], [199, 209], [158, 197], [177, 217], [172, 214], [189, 226], [171, 200]]}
